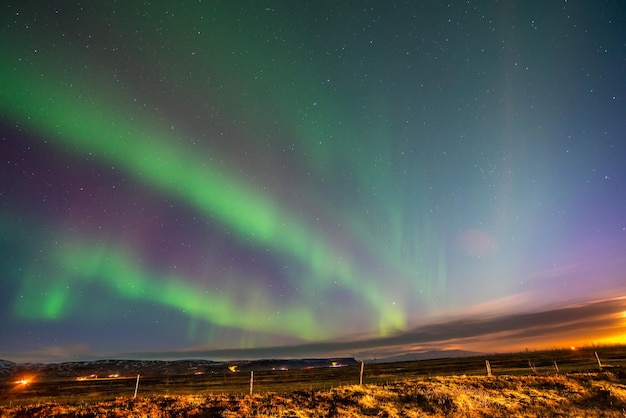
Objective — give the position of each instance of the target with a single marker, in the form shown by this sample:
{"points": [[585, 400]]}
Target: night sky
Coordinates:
{"points": [[240, 179]]}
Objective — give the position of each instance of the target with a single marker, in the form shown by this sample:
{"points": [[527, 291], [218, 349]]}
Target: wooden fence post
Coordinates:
{"points": [[251, 381], [136, 387], [488, 368], [361, 374], [599, 362]]}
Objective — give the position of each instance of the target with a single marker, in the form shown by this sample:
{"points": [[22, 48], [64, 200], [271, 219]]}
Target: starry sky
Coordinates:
{"points": [[247, 179]]}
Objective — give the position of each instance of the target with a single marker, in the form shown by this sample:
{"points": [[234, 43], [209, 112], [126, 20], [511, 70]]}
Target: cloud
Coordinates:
{"points": [[557, 327], [52, 354], [576, 322]]}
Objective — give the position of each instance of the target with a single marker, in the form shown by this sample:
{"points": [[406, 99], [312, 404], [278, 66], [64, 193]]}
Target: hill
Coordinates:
{"points": [[159, 368]]}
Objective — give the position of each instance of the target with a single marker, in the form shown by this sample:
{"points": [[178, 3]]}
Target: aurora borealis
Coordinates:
{"points": [[312, 178]]}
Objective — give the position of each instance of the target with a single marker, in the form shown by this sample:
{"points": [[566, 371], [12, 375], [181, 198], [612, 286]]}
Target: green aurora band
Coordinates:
{"points": [[149, 157], [102, 124], [77, 266]]}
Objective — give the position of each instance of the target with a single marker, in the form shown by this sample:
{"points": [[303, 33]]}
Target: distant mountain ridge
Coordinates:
{"points": [[7, 367], [155, 368]]}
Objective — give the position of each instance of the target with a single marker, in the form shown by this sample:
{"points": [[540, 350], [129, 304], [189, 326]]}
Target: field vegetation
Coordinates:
{"points": [[435, 388]]}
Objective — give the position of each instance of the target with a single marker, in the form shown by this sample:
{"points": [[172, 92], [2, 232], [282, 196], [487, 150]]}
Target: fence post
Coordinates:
{"points": [[599, 362], [488, 368], [251, 381], [136, 387], [556, 366], [361, 374]]}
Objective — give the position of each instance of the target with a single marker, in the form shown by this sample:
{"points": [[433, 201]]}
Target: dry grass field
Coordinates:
{"points": [[410, 389], [598, 394]]}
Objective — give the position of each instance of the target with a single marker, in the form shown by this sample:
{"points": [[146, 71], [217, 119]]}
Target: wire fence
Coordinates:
{"points": [[244, 381]]}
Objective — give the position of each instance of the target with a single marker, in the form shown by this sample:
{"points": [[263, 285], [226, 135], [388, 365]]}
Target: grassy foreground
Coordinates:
{"points": [[595, 394]]}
